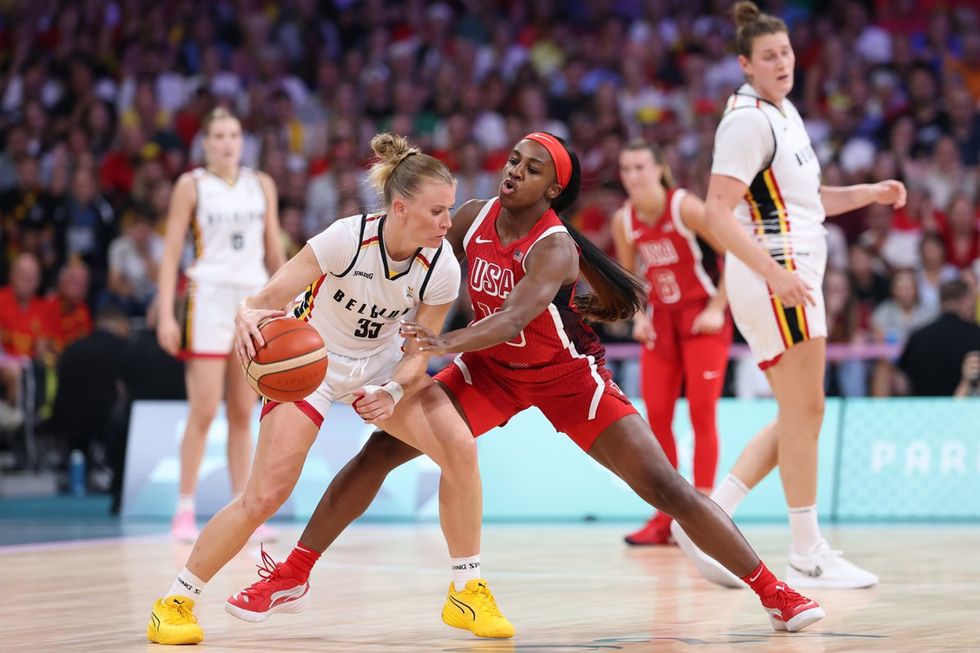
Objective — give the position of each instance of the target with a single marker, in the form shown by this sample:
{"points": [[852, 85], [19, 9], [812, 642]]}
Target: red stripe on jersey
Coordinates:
{"points": [[305, 310]]}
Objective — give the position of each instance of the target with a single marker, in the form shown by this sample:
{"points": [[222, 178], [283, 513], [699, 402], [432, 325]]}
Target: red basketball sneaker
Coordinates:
{"points": [[270, 594], [788, 609], [655, 531]]}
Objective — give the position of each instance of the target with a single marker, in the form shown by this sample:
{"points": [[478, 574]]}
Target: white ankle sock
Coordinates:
{"points": [[464, 569], [804, 528], [729, 493], [185, 502], [187, 584]]}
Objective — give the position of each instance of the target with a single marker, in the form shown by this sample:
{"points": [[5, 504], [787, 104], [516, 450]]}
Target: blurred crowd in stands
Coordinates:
{"points": [[101, 103]]}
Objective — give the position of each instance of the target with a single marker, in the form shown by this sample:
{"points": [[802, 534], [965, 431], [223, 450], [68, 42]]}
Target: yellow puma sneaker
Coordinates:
{"points": [[172, 621], [474, 609]]}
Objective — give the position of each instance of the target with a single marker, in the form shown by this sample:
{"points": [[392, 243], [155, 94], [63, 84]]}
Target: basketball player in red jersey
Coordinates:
{"points": [[530, 346], [686, 331]]}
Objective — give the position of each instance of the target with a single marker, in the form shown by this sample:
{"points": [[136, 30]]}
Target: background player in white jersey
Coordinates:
{"points": [[363, 275], [766, 205], [232, 214]]}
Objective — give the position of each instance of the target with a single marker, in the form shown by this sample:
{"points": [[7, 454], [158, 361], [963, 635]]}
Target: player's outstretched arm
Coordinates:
{"points": [[841, 199], [551, 264]]}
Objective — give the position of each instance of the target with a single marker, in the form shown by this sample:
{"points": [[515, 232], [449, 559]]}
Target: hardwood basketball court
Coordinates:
{"points": [[566, 588]]}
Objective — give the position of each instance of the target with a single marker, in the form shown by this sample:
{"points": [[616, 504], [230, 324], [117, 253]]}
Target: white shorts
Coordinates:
{"points": [[209, 318], [345, 375], [768, 327]]}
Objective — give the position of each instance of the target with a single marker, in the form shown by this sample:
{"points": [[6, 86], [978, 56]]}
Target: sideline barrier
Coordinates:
{"points": [[880, 459]]}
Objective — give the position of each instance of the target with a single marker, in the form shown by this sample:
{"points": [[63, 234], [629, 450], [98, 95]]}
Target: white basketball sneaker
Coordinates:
{"points": [[707, 566], [825, 567]]}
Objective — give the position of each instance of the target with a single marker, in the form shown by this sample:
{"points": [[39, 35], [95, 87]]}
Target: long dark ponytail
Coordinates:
{"points": [[616, 293]]}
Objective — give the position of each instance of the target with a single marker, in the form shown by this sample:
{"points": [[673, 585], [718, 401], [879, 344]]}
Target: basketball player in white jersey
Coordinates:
{"points": [[231, 212], [766, 205], [363, 275]]}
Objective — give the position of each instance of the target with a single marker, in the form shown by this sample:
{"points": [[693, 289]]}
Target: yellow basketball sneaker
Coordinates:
{"points": [[474, 609], [172, 621]]}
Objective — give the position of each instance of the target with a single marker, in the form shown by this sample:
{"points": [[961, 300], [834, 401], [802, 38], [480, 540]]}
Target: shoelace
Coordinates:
{"points": [[268, 571], [179, 612], [786, 596], [826, 554], [488, 601]]}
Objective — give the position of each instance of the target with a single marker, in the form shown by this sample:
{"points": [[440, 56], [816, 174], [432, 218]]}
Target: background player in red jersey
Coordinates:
{"points": [[685, 330], [530, 347]]}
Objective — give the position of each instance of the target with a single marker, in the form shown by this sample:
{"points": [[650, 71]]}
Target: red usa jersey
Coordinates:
{"points": [[558, 334], [676, 263]]}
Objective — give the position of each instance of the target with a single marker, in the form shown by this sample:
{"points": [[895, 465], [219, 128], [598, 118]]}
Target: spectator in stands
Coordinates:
{"points": [[89, 224], [134, 259], [472, 179], [962, 236], [846, 324], [25, 328], [896, 248], [68, 313], [25, 337], [291, 229], [946, 176], [29, 220], [868, 285], [893, 320], [933, 358], [933, 270]]}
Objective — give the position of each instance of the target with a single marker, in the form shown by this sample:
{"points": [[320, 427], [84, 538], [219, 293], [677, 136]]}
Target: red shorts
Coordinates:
{"points": [[578, 397]]}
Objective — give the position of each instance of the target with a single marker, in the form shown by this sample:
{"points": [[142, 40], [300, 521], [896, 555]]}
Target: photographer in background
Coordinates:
{"points": [[969, 385], [933, 358]]}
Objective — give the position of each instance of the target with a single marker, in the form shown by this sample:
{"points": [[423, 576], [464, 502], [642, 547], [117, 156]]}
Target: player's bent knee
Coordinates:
{"points": [[460, 456], [807, 410], [674, 495], [260, 506]]}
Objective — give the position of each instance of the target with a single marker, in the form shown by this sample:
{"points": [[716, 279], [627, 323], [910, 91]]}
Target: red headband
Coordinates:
{"points": [[563, 161]]}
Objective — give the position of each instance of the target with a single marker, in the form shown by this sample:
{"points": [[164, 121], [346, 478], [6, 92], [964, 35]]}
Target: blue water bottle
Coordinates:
{"points": [[76, 473]]}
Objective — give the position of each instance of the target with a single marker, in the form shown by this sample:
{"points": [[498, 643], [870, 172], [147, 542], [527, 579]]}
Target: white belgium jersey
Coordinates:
{"points": [[228, 229], [768, 149], [358, 302]]}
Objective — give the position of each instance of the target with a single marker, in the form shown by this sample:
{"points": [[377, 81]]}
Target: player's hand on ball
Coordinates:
{"points": [[427, 340], [248, 338], [891, 192], [373, 404]]}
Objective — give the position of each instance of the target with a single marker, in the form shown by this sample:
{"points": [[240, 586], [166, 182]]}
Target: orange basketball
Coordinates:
{"points": [[292, 363]]}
